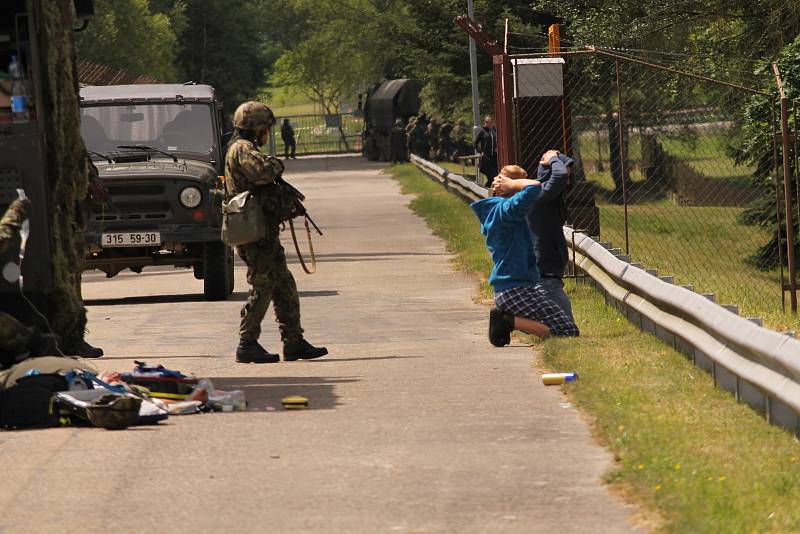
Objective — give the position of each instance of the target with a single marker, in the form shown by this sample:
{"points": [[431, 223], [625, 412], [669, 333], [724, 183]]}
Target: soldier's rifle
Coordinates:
{"points": [[298, 209]]}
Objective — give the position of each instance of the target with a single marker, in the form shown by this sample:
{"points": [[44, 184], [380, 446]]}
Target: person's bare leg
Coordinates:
{"points": [[532, 327]]}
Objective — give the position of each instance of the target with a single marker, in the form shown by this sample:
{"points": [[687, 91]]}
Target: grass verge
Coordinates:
{"points": [[684, 449]]}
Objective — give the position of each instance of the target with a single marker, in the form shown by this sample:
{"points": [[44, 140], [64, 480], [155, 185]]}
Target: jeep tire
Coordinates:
{"points": [[217, 272]]}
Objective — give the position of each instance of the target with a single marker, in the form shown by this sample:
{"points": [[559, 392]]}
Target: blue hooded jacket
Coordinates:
{"points": [[509, 239], [546, 218]]}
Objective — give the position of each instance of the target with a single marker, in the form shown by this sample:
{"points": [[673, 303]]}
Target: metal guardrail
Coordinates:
{"points": [[759, 366]]}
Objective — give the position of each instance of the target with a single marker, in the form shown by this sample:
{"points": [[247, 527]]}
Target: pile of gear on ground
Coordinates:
{"points": [[58, 391]]}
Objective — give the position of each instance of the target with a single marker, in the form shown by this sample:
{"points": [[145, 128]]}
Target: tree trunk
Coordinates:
{"points": [[66, 170]]}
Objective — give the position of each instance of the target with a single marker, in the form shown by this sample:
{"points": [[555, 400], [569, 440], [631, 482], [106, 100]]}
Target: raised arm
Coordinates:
{"points": [[559, 178], [518, 206], [503, 185]]}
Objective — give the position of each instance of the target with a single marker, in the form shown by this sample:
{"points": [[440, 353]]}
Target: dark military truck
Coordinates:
{"points": [[159, 150], [387, 102]]}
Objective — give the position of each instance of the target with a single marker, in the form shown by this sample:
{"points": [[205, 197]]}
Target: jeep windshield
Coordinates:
{"points": [[181, 128]]}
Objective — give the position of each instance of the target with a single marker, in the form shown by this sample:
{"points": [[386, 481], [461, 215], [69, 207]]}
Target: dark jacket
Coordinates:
{"points": [[287, 132], [486, 142], [546, 218]]}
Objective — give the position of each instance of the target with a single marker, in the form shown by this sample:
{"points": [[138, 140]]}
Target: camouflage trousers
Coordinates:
{"points": [[270, 281], [14, 336]]}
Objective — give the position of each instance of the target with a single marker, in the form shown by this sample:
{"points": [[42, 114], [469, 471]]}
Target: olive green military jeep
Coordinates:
{"points": [[159, 150]]}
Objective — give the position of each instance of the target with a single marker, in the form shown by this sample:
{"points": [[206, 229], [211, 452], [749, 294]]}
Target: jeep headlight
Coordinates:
{"points": [[191, 197]]}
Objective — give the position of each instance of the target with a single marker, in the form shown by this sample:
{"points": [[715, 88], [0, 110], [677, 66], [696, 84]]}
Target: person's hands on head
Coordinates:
{"points": [[501, 185], [548, 156]]}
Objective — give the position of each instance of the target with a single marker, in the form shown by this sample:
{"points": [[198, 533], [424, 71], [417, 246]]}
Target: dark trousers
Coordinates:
{"points": [[488, 167], [287, 144]]}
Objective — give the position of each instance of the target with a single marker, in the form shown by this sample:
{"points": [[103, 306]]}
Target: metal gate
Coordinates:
{"points": [[320, 134]]}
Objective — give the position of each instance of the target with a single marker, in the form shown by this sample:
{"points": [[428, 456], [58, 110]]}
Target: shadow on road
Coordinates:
{"points": [[187, 297], [263, 392], [334, 359], [363, 256]]}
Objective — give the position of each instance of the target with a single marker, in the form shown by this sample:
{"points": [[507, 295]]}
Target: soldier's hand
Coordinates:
{"points": [[298, 210], [98, 192]]}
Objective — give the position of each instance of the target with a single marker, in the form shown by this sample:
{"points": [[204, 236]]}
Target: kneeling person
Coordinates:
{"points": [[520, 305]]}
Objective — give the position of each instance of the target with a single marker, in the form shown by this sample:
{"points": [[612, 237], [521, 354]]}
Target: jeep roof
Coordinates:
{"points": [[146, 93]]}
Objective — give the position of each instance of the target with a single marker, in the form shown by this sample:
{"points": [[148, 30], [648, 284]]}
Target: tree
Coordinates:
{"points": [[225, 44], [339, 55], [66, 171], [133, 35], [755, 147]]}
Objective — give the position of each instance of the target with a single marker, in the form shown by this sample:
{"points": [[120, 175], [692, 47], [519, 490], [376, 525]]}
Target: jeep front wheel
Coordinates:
{"points": [[216, 270]]}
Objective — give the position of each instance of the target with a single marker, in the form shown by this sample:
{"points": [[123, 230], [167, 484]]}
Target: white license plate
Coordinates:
{"points": [[131, 239]]}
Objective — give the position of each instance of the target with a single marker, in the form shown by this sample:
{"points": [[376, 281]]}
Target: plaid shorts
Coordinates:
{"points": [[534, 304]]}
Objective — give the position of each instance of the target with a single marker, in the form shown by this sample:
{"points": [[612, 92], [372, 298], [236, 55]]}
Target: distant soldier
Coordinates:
{"points": [[248, 169], [287, 134], [433, 138], [17, 341], [398, 143], [462, 147], [446, 145], [419, 143]]}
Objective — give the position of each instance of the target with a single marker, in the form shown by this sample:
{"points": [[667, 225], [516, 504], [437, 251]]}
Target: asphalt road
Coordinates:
{"points": [[416, 424]]}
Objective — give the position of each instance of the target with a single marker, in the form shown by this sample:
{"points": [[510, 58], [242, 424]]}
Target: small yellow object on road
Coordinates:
{"points": [[555, 379], [294, 402]]}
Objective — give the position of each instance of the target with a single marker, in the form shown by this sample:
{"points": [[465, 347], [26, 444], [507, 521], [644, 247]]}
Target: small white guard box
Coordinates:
{"points": [[537, 77]]}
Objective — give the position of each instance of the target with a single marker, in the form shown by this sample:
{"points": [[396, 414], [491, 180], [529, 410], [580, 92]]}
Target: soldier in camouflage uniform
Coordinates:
{"points": [[397, 140], [433, 139], [17, 341], [446, 146], [248, 169]]}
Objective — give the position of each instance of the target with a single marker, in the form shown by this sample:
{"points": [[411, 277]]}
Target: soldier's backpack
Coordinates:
{"points": [[243, 220], [30, 403]]}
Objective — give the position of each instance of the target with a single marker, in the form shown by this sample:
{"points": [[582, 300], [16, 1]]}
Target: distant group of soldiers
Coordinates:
{"points": [[431, 139]]}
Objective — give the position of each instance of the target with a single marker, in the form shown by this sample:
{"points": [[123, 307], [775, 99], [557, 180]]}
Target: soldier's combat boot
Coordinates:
{"points": [[87, 351], [501, 324], [302, 350], [251, 352]]}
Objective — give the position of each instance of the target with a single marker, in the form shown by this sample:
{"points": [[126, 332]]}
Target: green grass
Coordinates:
{"points": [[696, 460], [707, 154], [704, 247], [288, 102]]}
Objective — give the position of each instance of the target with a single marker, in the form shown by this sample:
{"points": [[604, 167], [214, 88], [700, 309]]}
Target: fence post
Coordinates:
{"points": [[796, 158], [787, 189], [622, 170], [776, 166]]}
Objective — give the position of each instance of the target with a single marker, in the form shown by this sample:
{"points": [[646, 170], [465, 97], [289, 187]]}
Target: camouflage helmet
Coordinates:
{"points": [[253, 116]]}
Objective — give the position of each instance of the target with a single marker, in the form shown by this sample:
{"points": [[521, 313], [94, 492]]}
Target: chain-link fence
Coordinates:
{"points": [[319, 134], [683, 169]]}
